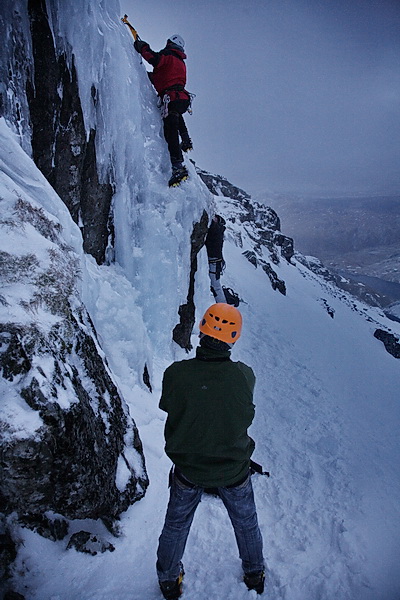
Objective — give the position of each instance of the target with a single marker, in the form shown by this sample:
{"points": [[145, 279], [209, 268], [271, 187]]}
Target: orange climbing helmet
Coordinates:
{"points": [[223, 322]]}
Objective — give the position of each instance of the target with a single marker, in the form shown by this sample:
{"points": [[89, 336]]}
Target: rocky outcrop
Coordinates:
{"points": [[69, 465], [68, 443], [219, 186], [8, 552], [263, 227], [260, 224], [84, 541], [390, 341]]}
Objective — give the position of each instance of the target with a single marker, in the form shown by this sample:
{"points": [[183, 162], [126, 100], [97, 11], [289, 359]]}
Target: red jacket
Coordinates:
{"points": [[169, 68]]}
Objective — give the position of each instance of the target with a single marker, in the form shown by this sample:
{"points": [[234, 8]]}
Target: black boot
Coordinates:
{"points": [[187, 145], [171, 590], [255, 581], [179, 174]]}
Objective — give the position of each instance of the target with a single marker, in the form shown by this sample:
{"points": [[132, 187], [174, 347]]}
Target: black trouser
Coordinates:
{"points": [[175, 126]]}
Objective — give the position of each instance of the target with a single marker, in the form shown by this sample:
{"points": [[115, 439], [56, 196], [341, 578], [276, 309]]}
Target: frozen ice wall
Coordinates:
{"points": [[150, 257], [153, 224]]}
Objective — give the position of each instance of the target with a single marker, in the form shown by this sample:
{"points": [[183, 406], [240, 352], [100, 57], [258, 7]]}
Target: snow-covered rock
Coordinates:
{"points": [[68, 443]]}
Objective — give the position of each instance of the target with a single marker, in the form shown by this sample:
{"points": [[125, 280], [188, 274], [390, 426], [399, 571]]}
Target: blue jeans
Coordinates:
{"points": [[183, 501]]}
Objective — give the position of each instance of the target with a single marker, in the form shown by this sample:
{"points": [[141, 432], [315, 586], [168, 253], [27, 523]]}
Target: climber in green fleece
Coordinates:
{"points": [[209, 402]]}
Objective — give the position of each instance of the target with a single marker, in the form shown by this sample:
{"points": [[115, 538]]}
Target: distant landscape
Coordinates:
{"points": [[357, 237]]}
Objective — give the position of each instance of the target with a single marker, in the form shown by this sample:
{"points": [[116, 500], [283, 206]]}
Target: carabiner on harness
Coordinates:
{"points": [[164, 105], [191, 98]]}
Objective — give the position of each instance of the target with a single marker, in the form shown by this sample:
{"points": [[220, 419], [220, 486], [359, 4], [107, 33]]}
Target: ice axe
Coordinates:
{"points": [[124, 19], [256, 468]]}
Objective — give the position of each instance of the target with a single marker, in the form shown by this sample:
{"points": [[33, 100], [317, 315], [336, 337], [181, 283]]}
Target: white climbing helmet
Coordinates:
{"points": [[178, 40]]}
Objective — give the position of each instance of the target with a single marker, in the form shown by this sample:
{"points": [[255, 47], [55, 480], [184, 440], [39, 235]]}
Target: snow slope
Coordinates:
{"points": [[327, 401]]}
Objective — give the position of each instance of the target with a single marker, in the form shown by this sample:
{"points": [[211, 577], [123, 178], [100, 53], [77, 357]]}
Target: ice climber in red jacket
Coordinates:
{"points": [[169, 80]]}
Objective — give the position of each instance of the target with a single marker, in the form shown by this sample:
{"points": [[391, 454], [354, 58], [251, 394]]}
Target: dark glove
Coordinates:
{"points": [[139, 45]]}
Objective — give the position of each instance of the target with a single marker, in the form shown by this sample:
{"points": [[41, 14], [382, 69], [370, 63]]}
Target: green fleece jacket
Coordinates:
{"points": [[209, 401]]}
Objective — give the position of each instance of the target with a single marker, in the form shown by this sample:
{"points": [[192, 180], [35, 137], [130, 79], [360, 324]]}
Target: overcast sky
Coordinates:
{"points": [[297, 96]]}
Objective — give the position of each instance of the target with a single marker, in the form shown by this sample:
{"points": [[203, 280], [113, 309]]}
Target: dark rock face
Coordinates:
{"points": [[286, 244], [95, 205], [44, 101], [15, 68], [11, 595], [277, 284], [84, 541], [40, 96], [59, 142], [51, 528], [8, 553], [391, 342], [262, 225], [251, 257], [182, 331]]}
